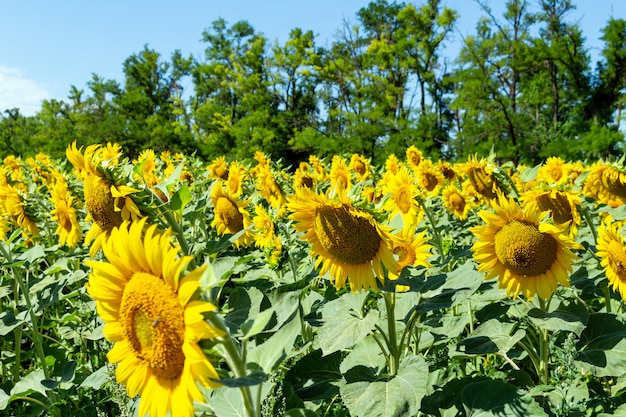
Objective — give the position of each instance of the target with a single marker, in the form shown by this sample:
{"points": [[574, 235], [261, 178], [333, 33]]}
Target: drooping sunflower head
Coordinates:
{"points": [[360, 166], [340, 178], [263, 227], [447, 170], [218, 169], [148, 162], [268, 187], [230, 215], [527, 255], [456, 201], [561, 204], [15, 167], [13, 203], [319, 168], [237, 175], [348, 242], [612, 253], [480, 174], [152, 313], [64, 214]]}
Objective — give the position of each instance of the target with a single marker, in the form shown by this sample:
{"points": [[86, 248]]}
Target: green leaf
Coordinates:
{"points": [[181, 198], [4, 399], [255, 377], [66, 375], [315, 376], [8, 322], [278, 348], [602, 346], [97, 379], [568, 316], [367, 353], [399, 395], [243, 303], [32, 254], [301, 412], [497, 398], [344, 323], [256, 325], [30, 382], [493, 336]]}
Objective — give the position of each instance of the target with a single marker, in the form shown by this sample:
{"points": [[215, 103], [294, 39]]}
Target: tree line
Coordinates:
{"points": [[522, 85]]}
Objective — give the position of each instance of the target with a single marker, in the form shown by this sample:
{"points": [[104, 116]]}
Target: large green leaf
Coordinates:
{"points": [[279, 347], [602, 345], [344, 322], [315, 376], [493, 336], [397, 396], [497, 398], [366, 353], [566, 316]]}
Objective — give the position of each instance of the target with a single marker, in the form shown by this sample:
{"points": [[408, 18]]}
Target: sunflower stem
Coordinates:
{"points": [[607, 297], [592, 226], [433, 224], [544, 342], [394, 354], [173, 223], [235, 360]]}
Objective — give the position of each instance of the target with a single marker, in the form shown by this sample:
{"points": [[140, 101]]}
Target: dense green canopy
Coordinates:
{"points": [[523, 85]]}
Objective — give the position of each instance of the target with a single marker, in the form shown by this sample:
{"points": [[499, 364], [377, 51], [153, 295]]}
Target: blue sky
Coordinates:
{"points": [[47, 46]]}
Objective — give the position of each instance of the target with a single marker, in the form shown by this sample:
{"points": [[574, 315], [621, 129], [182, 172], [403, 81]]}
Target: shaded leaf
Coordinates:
{"points": [[502, 399]]}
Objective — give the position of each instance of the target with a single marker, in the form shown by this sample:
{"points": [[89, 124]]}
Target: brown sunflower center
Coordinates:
{"points": [[101, 204], [617, 258], [415, 158], [349, 238], [558, 205], [482, 182], [457, 202], [430, 181], [404, 255], [63, 217], [359, 168], [612, 180], [229, 215], [524, 250], [153, 322], [307, 181]]}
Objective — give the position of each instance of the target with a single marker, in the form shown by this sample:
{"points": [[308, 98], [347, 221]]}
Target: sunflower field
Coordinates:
{"points": [[164, 285]]}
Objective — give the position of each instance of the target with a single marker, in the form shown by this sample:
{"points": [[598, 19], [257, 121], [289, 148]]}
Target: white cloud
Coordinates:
{"points": [[18, 91]]}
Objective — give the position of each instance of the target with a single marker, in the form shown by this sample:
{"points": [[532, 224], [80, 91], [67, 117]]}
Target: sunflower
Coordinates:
{"points": [[553, 171], [319, 168], [340, 178], [360, 166], [12, 203], [348, 242], [414, 156], [456, 201], [561, 204], [237, 175], [263, 227], [64, 213], [612, 252], [429, 178], [108, 204], [392, 164], [155, 320], [606, 183], [218, 169], [480, 173], [147, 163], [411, 249], [527, 255], [401, 193], [269, 189], [230, 215]]}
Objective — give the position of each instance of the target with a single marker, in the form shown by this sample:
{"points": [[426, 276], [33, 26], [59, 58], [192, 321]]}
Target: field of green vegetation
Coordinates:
{"points": [[340, 288]]}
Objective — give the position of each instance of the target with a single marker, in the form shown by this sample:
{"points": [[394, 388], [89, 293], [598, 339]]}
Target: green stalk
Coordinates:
{"points": [[235, 360], [544, 342], [438, 241], [592, 227], [394, 354]]}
